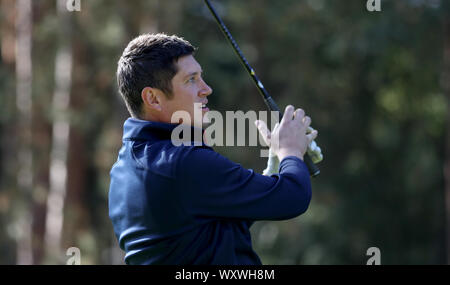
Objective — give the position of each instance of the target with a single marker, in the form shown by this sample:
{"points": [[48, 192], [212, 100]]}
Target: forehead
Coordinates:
{"points": [[187, 65]]}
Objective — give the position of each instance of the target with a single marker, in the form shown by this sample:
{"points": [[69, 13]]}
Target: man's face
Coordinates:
{"points": [[188, 88]]}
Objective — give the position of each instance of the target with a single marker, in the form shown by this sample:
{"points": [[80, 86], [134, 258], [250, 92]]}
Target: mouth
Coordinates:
{"points": [[204, 107]]}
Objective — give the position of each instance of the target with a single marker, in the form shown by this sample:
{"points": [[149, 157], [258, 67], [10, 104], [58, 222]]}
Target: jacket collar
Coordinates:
{"points": [[137, 129]]}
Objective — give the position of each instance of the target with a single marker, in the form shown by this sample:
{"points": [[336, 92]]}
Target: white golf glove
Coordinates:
{"points": [[272, 164], [314, 151]]}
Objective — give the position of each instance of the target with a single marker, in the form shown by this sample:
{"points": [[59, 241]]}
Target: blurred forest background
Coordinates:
{"points": [[376, 84]]}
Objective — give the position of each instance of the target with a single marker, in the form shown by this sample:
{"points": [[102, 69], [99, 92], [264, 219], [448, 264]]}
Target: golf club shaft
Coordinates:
{"points": [[313, 169]]}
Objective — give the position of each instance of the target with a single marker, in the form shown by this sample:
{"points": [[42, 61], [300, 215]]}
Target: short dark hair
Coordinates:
{"points": [[149, 61]]}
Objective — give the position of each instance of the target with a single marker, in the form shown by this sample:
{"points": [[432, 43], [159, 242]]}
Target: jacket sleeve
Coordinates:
{"points": [[213, 186]]}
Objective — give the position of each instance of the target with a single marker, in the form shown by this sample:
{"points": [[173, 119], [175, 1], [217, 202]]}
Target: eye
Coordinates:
{"points": [[192, 79]]}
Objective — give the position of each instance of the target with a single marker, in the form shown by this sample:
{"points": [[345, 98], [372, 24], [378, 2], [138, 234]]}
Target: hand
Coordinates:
{"points": [[313, 149], [289, 138], [293, 136], [273, 162]]}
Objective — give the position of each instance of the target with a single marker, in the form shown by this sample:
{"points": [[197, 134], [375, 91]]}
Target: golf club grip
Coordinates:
{"points": [[313, 169]]}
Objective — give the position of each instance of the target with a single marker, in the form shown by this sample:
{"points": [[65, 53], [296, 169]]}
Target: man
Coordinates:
{"points": [[188, 204]]}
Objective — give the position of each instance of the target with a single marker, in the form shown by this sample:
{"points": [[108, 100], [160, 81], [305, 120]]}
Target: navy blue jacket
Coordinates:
{"points": [[189, 204]]}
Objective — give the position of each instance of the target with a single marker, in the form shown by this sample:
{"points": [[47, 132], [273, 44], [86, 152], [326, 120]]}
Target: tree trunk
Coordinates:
{"points": [[24, 107], [8, 142], [60, 134], [76, 215]]}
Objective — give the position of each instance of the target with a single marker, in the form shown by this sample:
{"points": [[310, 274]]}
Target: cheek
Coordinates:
{"points": [[189, 96], [185, 97]]}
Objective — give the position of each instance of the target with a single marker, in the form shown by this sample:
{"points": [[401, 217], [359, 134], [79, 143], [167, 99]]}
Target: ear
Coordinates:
{"points": [[151, 99]]}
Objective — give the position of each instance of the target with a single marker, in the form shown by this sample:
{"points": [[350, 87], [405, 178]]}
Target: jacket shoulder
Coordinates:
{"points": [[161, 158]]}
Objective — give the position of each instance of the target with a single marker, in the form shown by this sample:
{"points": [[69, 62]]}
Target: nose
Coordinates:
{"points": [[206, 90]]}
